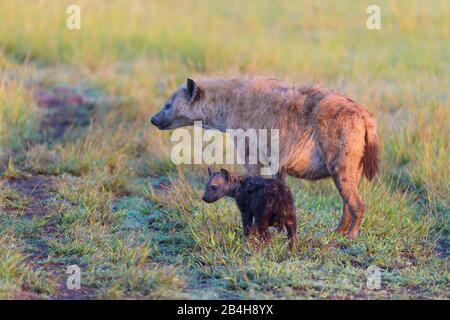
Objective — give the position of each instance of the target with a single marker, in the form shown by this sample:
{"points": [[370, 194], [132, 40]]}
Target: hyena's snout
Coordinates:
{"points": [[159, 121], [154, 120]]}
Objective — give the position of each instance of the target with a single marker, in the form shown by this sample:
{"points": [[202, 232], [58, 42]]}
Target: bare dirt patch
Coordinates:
{"points": [[40, 202], [36, 190], [62, 108]]}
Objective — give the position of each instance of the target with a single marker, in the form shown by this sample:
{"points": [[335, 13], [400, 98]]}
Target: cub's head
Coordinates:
{"points": [[181, 108], [217, 186]]}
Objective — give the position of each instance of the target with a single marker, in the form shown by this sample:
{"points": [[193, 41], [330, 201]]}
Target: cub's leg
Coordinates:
{"points": [[291, 228], [247, 222], [262, 226]]}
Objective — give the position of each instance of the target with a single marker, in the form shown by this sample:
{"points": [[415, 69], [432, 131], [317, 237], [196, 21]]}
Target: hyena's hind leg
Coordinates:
{"points": [[341, 144], [354, 207], [346, 218]]}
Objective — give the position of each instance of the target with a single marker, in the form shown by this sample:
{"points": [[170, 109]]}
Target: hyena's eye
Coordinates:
{"points": [[167, 106], [214, 188]]}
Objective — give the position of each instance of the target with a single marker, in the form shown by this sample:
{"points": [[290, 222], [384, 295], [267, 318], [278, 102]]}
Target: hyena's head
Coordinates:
{"points": [[181, 109], [218, 185]]}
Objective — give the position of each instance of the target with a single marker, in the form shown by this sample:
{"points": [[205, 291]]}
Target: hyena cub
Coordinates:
{"points": [[262, 202]]}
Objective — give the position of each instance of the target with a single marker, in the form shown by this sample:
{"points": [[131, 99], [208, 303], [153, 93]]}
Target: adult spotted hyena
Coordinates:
{"points": [[321, 132]]}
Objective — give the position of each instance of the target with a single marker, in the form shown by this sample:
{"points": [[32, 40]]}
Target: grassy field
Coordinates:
{"points": [[85, 180]]}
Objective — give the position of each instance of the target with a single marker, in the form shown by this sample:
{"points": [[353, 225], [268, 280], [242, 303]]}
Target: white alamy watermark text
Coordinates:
{"points": [[238, 146]]}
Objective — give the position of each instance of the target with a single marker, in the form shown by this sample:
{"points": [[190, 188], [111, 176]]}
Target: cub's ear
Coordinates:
{"points": [[193, 90], [226, 174], [209, 172]]}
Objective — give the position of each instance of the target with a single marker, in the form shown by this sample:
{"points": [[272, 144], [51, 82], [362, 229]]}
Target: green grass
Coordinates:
{"points": [[18, 279], [18, 116], [117, 206]]}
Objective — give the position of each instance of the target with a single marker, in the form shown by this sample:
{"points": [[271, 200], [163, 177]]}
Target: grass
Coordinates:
{"points": [[18, 116], [104, 194]]}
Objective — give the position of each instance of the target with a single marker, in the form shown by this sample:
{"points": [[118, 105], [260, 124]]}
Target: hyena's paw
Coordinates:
{"points": [[352, 234], [340, 230]]}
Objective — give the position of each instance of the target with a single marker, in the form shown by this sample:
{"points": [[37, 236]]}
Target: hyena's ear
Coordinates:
{"points": [[209, 172], [226, 174], [193, 90]]}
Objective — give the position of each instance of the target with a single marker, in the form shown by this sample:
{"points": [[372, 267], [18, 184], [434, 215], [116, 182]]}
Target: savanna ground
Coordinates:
{"points": [[85, 180]]}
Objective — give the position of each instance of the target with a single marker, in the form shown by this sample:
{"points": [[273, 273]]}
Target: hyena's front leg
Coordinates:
{"points": [[253, 169], [280, 176], [243, 157]]}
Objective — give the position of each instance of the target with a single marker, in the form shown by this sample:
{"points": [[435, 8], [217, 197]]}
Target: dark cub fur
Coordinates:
{"points": [[262, 202]]}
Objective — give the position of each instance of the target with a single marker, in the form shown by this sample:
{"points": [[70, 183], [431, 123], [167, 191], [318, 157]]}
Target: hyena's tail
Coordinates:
{"points": [[370, 158]]}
